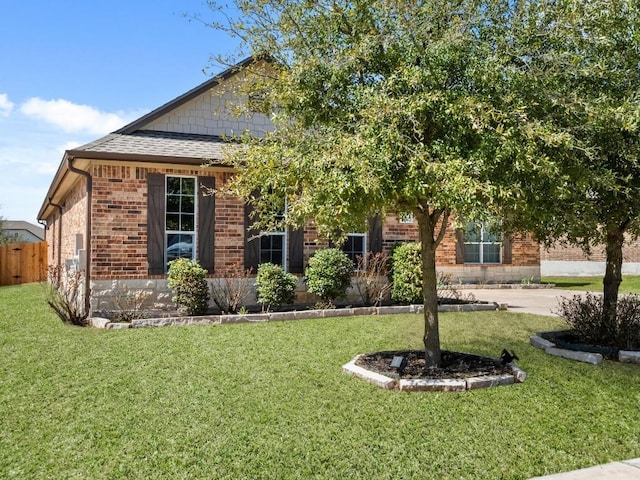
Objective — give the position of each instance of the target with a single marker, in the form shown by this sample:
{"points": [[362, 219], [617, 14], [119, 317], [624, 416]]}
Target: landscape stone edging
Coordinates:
{"points": [[517, 375], [105, 323], [624, 356]]}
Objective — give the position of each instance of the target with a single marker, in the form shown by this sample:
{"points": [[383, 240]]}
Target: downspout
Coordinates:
{"points": [[59, 207], [87, 287]]}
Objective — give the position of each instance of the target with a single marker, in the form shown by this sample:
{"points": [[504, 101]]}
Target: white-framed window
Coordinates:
{"points": [[481, 244], [405, 217], [355, 246], [180, 217], [273, 245]]}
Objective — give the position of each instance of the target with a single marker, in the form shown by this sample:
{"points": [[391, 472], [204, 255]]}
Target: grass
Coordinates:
{"points": [[269, 401], [630, 283]]}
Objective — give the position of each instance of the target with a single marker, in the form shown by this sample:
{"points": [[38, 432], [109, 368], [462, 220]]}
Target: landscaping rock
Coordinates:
{"points": [[489, 381], [592, 358], [627, 356], [99, 322], [419, 385], [372, 377], [540, 342], [518, 374], [118, 326]]}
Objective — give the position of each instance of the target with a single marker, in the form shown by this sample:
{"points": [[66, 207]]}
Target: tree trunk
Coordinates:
{"points": [[429, 242], [430, 298], [613, 274]]}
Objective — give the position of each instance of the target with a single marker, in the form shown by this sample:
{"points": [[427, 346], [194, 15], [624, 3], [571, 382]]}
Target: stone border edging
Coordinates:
{"points": [[105, 323], [624, 356], [517, 375]]}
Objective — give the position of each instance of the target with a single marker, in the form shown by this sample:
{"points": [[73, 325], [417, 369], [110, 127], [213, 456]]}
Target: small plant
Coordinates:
{"points": [[128, 303], [585, 317], [232, 288], [328, 274], [371, 280], [64, 294], [275, 287], [527, 281], [406, 273], [189, 286]]}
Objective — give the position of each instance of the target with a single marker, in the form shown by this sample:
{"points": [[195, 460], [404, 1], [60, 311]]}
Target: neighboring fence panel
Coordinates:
{"points": [[23, 263]]}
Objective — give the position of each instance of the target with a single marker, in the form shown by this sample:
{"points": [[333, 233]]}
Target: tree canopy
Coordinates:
{"points": [[524, 109]]}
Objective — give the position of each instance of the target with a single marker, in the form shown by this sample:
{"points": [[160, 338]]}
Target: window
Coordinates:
{"points": [[273, 245], [405, 217], [180, 218], [355, 246], [481, 244]]}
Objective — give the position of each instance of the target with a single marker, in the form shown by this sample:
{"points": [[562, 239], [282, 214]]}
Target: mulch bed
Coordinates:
{"points": [[455, 365]]}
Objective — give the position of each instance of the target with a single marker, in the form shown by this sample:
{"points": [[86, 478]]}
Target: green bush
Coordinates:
{"points": [[189, 286], [275, 287], [406, 276], [585, 317], [328, 274]]}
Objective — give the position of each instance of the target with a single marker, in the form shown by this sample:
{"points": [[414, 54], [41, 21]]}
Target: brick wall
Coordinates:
{"points": [[73, 223], [631, 253]]}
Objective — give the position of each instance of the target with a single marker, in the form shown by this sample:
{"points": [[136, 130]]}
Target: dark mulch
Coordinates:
{"points": [[455, 365]]}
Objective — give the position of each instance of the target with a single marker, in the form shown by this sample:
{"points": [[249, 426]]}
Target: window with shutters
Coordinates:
{"points": [[180, 218], [273, 244], [482, 244]]}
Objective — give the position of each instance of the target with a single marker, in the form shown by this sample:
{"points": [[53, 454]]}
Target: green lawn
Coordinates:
{"points": [[269, 401], [630, 283]]}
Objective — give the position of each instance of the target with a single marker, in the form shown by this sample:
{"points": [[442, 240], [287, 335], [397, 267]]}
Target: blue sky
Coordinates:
{"points": [[74, 70]]}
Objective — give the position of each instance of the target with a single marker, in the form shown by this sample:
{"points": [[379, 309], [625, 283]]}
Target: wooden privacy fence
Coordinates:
{"points": [[23, 263]]}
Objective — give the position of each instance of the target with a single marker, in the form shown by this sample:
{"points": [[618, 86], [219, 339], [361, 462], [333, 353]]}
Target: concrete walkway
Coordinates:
{"points": [[544, 301], [629, 470], [540, 301]]}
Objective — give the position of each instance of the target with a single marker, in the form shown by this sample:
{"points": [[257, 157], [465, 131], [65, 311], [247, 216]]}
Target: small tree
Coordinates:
{"points": [[190, 289], [328, 274], [275, 287], [377, 105]]}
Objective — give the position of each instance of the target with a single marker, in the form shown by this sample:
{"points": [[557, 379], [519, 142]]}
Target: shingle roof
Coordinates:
{"points": [[156, 144], [26, 226]]}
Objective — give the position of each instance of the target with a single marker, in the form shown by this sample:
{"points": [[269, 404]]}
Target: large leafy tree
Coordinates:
{"points": [[574, 74], [378, 105]]}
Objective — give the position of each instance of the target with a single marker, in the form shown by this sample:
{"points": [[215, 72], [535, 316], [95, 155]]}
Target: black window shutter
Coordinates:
{"points": [[296, 250], [206, 224], [459, 246], [506, 250], [251, 245], [155, 223], [375, 234]]}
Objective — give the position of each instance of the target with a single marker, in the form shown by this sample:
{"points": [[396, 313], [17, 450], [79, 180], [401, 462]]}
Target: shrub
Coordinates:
{"points": [[275, 287], [585, 317], [129, 304], [406, 273], [64, 294], [189, 286], [372, 278], [230, 291], [328, 274]]}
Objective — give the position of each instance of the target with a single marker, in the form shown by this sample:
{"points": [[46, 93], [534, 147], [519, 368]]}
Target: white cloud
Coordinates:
{"points": [[72, 117], [5, 105]]}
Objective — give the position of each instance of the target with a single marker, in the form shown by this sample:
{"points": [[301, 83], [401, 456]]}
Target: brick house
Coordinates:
{"points": [[124, 205]]}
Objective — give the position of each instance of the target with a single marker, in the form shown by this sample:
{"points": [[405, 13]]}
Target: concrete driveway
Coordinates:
{"points": [[540, 301]]}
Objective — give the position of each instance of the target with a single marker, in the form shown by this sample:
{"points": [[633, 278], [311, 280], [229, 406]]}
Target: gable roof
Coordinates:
{"points": [[132, 143], [190, 95]]}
